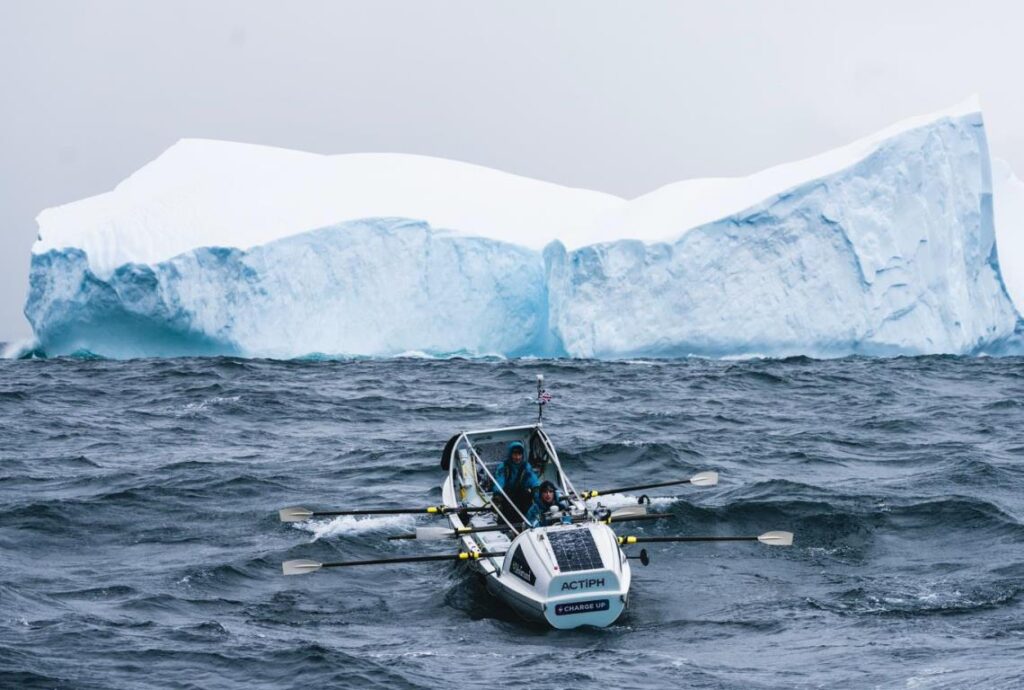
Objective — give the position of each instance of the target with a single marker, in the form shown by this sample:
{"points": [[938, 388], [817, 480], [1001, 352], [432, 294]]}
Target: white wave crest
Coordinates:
{"points": [[614, 501], [347, 525], [18, 348], [194, 407]]}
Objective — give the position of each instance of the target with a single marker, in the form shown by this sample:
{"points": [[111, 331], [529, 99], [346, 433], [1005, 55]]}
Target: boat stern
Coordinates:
{"points": [[595, 598], [568, 575]]}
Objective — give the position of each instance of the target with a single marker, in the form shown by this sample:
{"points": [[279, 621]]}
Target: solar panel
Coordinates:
{"points": [[575, 550]]}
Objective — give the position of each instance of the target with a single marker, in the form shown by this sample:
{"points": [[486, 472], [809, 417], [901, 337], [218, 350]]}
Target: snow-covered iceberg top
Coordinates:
{"points": [[663, 214], [205, 193], [883, 246]]}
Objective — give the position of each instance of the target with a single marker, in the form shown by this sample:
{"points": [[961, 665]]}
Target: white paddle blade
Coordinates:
{"points": [[704, 479], [776, 538], [300, 567], [295, 514], [629, 511], [433, 533]]}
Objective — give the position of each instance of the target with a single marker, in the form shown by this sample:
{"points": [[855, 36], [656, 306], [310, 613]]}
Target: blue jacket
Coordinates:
{"points": [[538, 514], [512, 477]]}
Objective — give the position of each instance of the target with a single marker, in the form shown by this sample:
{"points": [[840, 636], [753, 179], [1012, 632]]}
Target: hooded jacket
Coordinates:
{"points": [[538, 514], [513, 478]]}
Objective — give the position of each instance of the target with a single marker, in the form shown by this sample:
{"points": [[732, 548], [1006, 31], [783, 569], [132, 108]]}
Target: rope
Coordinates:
{"points": [[566, 482]]}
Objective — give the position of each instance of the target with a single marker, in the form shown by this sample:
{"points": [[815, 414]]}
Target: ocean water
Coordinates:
{"points": [[141, 547]]}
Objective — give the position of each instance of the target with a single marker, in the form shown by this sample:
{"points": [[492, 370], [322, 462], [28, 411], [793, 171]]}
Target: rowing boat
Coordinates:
{"points": [[573, 571], [569, 574]]}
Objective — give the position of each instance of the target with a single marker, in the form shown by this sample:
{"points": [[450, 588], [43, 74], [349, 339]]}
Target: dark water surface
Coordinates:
{"points": [[141, 548]]}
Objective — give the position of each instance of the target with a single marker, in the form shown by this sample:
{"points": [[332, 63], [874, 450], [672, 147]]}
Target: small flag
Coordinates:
{"points": [[543, 398]]}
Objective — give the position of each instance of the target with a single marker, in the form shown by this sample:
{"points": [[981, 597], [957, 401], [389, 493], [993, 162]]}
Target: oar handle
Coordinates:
{"points": [[631, 518], [461, 531], [640, 540], [709, 478], [462, 556], [458, 532], [623, 489], [431, 510]]}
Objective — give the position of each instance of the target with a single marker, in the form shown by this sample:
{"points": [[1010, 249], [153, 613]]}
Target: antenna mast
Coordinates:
{"points": [[542, 398]]}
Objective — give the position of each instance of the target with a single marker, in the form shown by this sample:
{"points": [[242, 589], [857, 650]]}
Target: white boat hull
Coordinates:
{"points": [[567, 575], [531, 584]]}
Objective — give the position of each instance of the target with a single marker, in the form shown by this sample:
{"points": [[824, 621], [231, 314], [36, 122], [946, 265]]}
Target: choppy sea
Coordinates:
{"points": [[140, 546]]}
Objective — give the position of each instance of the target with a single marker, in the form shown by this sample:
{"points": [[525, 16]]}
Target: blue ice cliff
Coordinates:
{"points": [[886, 246], [380, 286]]}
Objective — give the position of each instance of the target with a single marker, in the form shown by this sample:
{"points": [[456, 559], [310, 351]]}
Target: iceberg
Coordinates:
{"points": [[885, 246], [1008, 191], [356, 288], [884, 250]]}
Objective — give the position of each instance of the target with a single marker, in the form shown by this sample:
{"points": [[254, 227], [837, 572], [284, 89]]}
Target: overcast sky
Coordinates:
{"points": [[617, 96]]}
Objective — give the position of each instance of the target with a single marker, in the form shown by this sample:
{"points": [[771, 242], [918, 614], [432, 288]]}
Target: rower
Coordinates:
{"points": [[548, 497], [517, 479]]}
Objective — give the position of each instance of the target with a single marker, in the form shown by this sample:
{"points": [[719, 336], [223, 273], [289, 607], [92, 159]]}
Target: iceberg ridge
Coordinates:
{"points": [[893, 255]]}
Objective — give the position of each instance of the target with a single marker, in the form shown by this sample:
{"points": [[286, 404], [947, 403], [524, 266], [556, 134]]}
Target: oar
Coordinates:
{"points": [[299, 514], [626, 512], [699, 479], [634, 518], [303, 566], [433, 533], [770, 538]]}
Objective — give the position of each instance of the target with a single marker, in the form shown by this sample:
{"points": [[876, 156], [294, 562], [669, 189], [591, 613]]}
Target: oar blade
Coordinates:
{"points": [[776, 538], [295, 514], [300, 566], [431, 533], [705, 479], [629, 512]]}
